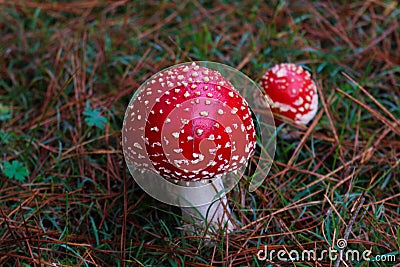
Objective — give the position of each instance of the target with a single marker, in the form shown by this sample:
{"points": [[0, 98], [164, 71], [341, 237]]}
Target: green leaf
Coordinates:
{"points": [[6, 137], [93, 118], [5, 112], [16, 170]]}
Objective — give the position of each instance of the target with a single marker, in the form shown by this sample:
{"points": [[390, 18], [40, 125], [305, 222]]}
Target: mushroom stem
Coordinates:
{"points": [[210, 217]]}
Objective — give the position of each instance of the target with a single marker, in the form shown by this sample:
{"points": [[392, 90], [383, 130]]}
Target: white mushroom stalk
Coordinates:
{"points": [[211, 217], [188, 124]]}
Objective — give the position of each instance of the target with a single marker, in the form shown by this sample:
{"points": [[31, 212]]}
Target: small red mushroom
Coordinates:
{"points": [[189, 123], [291, 91]]}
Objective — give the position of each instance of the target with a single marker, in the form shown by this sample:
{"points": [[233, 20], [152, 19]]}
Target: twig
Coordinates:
{"points": [[359, 203]]}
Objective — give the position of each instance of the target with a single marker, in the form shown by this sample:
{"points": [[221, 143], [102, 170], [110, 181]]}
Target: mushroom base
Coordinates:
{"points": [[211, 217]]}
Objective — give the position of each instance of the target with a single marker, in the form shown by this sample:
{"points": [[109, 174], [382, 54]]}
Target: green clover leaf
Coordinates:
{"points": [[15, 170]]}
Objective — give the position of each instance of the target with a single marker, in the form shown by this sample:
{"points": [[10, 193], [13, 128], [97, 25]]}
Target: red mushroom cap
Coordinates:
{"points": [[292, 92], [189, 123]]}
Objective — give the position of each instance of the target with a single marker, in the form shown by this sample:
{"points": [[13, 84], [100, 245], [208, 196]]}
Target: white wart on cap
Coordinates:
{"points": [[291, 91], [189, 123]]}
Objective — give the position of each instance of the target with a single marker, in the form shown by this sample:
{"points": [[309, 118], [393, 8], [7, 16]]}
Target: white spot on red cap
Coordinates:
{"points": [[137, 145], [299, 101], [281, 72], [166, 140], [178, 150], [213, 151], [228, 130]]}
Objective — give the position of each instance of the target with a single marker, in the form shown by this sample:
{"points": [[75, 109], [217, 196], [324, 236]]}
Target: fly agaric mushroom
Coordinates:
{"points": [[190, 125], [291, 92]]}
